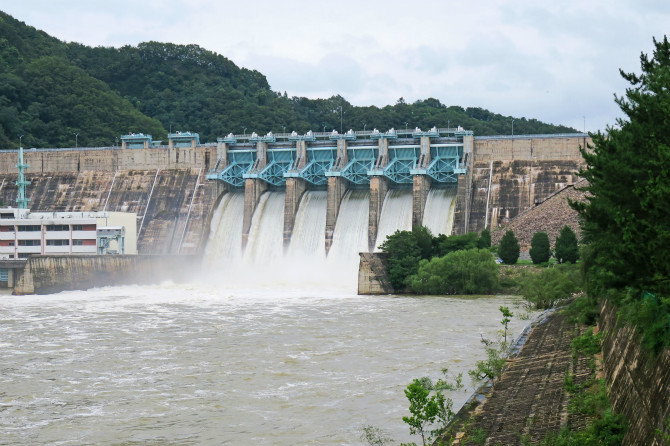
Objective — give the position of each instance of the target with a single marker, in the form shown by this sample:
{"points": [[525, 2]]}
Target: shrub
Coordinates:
{"points": [[567, 248], [540, 249], [509, 250], [443, 245], [551, 286], [462, 272]]}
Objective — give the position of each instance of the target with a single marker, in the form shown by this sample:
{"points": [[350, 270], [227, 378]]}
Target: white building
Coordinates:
{"points": [[23, 233]]}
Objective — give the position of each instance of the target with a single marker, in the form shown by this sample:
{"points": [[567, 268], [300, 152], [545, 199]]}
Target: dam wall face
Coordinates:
{"points": [[52, 274], [168, 190], [638, 382], [511, 174]]}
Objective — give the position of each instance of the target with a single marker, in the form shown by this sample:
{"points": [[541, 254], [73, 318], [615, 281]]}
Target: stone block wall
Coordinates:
{"points": [[638, 382]]}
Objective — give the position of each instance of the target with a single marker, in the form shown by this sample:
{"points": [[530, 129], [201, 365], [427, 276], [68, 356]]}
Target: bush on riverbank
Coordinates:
{"points": [[406, 249], [550, 286], [473, 271]]}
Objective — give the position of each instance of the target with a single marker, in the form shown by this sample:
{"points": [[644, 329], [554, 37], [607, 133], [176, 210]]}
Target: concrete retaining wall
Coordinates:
{"points": [[52, 274], [372, 276], [639, 384]]}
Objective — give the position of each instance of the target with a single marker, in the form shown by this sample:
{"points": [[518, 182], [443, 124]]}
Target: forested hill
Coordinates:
{"points": [[50, 90]]}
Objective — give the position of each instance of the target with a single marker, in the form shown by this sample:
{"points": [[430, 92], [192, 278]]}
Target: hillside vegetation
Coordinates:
{"points": [[50, 90]]}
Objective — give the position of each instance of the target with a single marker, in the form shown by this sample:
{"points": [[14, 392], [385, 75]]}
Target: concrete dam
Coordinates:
{"points": [[319, 192]]}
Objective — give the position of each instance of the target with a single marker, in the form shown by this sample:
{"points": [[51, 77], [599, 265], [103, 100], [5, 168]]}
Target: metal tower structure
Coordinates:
{"points": [[22, 183]]}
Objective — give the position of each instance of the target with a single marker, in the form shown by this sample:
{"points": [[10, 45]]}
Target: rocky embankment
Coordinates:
{"points": [[549, 216]]}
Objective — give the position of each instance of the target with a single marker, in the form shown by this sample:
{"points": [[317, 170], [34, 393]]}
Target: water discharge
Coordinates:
{"points": [[438, 215], [396, 214], [262, 348]]}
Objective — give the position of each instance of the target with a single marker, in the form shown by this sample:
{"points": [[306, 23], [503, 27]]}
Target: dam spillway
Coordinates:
{"points": [[167, 187]]}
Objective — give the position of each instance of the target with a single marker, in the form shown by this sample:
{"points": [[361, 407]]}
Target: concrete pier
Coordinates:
{"points": [[379, 186], [253, 189], [337, 187], [420, 190], [295, 188]]}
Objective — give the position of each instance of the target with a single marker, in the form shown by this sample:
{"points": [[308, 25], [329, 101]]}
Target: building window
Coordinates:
{"points": [[58, 227], [58, 242], [77, 227], [23, 255], [77, 243], [27, 228], [6, 228], [29, 242]]}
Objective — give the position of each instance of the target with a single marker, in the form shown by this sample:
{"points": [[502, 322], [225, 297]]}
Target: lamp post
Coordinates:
{"points": [[364, 125], [284, 127], [512, 127], [244, 131], [406, 128], [324, 128], [340, 119], [20, 138], [76, 140]]}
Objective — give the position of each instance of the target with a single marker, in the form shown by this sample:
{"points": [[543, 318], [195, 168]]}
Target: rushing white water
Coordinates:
{"points": [[225, 236], [396, 214], [438, 215], [351, 234], [266, 236], [261, 348], [309, 231]]}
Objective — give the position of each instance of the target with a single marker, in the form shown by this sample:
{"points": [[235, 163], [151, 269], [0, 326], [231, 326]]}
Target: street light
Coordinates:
{"points": [[20, 138], [340, 119], [512, 127], [324, 128], [244, 131], [76, 140], [405, 127], [364, 125], [284, 128]]}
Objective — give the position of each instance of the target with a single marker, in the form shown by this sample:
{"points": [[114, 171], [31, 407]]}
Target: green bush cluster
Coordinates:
{"points": [[409, 251]]}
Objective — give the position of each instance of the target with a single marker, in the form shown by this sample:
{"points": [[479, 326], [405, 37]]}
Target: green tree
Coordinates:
{"points": [[430, 414], [625, 218], [507, 318], [540, 249], [423, 407], [509, 249], [484, 239], [551, 286], [567, 247], [461, 272], [443, 245], [405, 249]]}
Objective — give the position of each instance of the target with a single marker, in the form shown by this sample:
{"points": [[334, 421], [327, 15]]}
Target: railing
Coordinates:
{"points": [[543, 136]]}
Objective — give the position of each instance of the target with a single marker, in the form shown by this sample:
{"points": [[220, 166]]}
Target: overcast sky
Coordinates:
{"points": [[556, 61]]}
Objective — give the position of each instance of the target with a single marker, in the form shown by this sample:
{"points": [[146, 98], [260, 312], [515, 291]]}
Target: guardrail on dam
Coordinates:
{"points": [[167, 187]]}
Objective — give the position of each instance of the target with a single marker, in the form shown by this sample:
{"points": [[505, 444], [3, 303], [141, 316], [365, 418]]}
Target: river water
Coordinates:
{"points": [[285, 354]]}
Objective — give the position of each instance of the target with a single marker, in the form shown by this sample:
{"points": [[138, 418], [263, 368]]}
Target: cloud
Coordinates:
{"points": [[553, 61]]}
